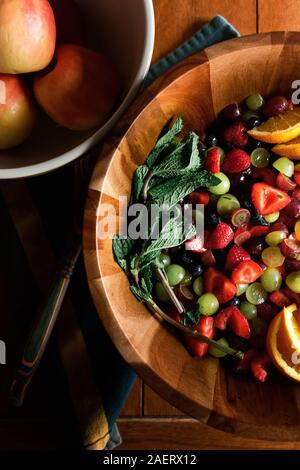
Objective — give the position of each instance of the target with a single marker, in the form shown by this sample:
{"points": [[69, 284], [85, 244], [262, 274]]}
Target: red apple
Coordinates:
{"points": [[80, 91], [17, 111], [27, 35], [70, 26]]}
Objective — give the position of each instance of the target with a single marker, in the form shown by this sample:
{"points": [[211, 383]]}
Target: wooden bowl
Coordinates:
{"points": [[196, 89]]}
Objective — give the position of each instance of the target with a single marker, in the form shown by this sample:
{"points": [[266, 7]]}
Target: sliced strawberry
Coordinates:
{"points": [[241, 235], [284, 182], [260, 366], [196, 244], [266, 311], [220, 237], [218, 284], [206, 328], [235, 320], [213, 160], [246, 272], [264, 174], [259, 230], [199, 197], [279, 298], [297, 177], [267, 199], [235, 255], [236, 160], [244, 364]]}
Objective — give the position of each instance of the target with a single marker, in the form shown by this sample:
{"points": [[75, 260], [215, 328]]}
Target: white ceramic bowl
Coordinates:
{"points": [[124, 29]]}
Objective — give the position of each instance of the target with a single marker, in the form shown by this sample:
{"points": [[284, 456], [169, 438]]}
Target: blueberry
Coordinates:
{"points": [[235, 302], [176, 252], [258, 219], [187, 259], [220, 256], [196, 270], [236, 179], [213, 219], [211, 140], [253, 122], [248, 171]]}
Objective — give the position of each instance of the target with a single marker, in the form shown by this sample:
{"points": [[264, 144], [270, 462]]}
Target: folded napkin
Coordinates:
{"points": [[114, 376]]}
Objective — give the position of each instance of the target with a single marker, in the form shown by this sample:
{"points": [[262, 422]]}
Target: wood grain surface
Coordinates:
{"points": [[203, 389], [40, 427]]}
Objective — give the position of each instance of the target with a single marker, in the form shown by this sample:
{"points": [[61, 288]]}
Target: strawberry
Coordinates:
{"points": [[213, 159], [284, 182], [297, 177], [217, 283], [264, 174], [267, 199], [244, 364], [220, 237], [195, 244], [279, 298], [241, 235], [207, 258], [206, 328], [235, 255], [260, 366], [199, 197], [236, 134], [246, 272], [266, 311], [237, 322], [236, 160]]}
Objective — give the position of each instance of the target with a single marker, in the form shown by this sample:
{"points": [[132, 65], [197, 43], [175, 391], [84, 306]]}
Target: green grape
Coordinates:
{"points": [[175, 274], [165, 259], [222, 187], [247, 115], [198, 286], [285, 166], [215, 352], [256, 294], [272, 257], [297, 230], [208, 304], [260, 157], [272, 217], [227, 203], [241, 289], [258, 326], [271, 279], [161, 293], [293, 281], [255, 102], [249, 310], [187, 280], [274, 238]]}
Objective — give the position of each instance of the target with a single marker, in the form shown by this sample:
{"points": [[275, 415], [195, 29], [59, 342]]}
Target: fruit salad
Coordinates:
{"points": [[238, 285]]}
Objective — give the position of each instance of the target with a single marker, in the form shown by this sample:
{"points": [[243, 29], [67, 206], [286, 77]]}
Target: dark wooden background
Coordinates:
{"points": [[47, 420]]}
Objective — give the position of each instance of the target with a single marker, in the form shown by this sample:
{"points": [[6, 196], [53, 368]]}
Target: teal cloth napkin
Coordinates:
{"points": [[119, 377]]}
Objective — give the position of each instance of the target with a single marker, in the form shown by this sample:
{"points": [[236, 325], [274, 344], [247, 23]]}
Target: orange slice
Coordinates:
{"points": [[279, 129], [291, 149], [283, 342]]}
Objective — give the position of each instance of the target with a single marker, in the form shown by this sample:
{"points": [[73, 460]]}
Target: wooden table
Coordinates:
{"points": [[36, 208]]}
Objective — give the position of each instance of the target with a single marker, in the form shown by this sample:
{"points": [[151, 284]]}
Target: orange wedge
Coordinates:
{"points": [[279, 129], [291, 149], [283, 342]]}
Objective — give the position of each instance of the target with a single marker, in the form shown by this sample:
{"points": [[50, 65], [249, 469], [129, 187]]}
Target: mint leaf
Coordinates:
{"points": [[145, 277], [165, 141], [122, 248], [141, 294], [168, 192], [138, 182], [191, 317], [183, 158]]}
